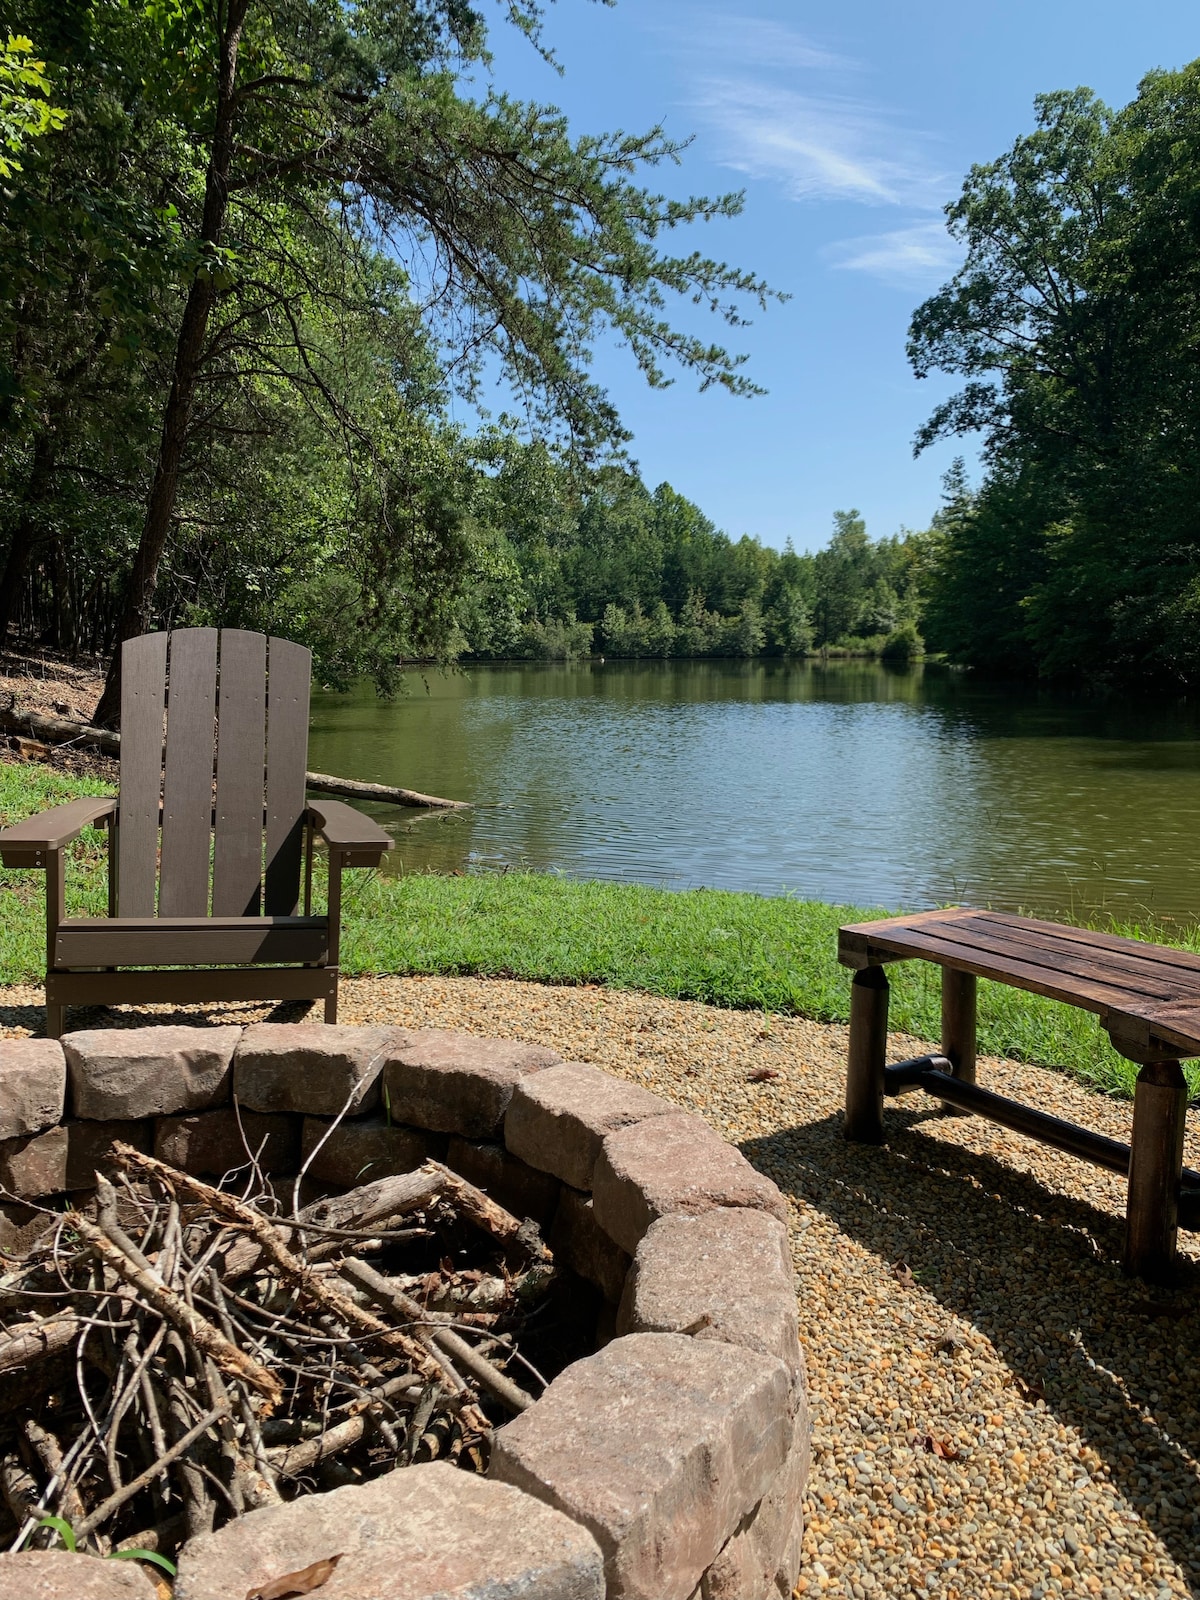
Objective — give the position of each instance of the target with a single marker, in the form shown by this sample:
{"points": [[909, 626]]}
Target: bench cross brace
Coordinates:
{"points": [[1162, 1194]]}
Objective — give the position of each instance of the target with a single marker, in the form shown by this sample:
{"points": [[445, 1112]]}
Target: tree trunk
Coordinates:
{"points": [[25, 534], [189, 351]]}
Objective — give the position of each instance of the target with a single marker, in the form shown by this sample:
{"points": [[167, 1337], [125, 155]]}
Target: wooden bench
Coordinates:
{"points": [[1147, 997]]}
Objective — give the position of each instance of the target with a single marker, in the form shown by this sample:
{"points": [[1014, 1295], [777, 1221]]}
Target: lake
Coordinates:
{"points": [[844, 781]]}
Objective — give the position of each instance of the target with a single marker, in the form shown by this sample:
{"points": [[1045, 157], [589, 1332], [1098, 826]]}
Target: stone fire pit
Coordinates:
{"points": [[669, 1465]]}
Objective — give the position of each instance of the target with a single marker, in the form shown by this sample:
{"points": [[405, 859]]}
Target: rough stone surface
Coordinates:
{"points": [[779, 1521], [579, 1242], [212, 1142], [518, 1188], [726, 1274], [65, 1157], [558, 1119], [33, 1080], [456, 1083], [145, 1072], [55, 1575], [364, 1149], [427, 1533], [21, 1227], [738, 1573], [762, 1559], [312, 1067], [660, 1445], [668, 1165]]}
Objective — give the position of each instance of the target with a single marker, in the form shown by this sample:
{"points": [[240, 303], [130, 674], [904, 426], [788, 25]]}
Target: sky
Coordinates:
{"points": [[849, 126]]}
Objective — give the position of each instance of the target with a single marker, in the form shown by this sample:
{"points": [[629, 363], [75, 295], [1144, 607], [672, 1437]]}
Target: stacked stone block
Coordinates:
{"points": [[670, 1465]]}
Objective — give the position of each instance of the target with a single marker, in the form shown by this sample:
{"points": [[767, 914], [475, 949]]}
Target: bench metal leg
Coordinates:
{"points": [[868, 1056], [1155, 1168], [958, 1027]]}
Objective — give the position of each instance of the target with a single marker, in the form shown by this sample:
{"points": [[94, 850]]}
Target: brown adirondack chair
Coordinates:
{"points": [[206, 839]]}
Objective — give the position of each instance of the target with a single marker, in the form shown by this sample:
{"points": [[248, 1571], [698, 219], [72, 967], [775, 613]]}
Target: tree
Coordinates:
{"points": [[90, 246], [841, 574], [1075, 320], [746, 632], [519, 242], [698, 627], [788, 628]]}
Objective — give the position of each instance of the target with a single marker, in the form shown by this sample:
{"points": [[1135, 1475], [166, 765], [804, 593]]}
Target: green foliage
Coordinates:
{"points": [[25, 109], [264, 247], [789, 630], [153, 1556], [903, 644], [1074, 321], [864, 589], [64, 1530], [653, 576], [556, 639], [66, 1533]]}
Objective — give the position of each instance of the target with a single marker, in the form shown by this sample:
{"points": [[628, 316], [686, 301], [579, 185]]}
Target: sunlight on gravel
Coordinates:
{"points": [[996, 1410]]}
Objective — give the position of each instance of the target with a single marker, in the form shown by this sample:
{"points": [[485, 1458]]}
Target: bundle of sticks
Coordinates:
{"points": [[195, 1353]]}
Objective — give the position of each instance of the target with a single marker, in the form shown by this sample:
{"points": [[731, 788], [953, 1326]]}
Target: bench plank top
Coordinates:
{"points": [[1144, 994]]}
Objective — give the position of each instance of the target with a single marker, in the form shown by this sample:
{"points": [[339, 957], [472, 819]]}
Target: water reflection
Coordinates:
{"points": [[839, 781]]}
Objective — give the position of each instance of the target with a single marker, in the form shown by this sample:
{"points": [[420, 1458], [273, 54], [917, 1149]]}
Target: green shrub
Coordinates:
{"points": [[903, 644]]}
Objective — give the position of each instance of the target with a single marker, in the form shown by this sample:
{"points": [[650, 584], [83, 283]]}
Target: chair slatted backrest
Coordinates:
{"points": [[214, 726]]}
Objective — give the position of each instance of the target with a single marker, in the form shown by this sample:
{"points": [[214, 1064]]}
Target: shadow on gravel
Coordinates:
{"points": [[31, 1017], [200, 1016], [1038, 1273]]}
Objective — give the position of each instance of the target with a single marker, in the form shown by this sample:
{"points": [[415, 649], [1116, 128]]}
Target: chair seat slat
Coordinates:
{"points": [[190, 941]]}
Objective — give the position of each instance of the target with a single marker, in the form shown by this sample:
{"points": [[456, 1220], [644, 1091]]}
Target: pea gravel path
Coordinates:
{"points": [[996, 1411]]}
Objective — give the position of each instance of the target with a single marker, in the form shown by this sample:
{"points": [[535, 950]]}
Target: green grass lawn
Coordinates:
{"points": [[739, 950]]}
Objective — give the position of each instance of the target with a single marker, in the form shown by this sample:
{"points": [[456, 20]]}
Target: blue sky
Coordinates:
{"points": [[849, 126]]}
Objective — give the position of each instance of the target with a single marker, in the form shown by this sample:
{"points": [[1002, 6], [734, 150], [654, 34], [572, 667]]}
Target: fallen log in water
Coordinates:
{"points": [[57, 730], [322, 783]]}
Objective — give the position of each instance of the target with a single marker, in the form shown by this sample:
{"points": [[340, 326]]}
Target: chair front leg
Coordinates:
{"points": [[56, 910], [113, 891], [334, 912]]}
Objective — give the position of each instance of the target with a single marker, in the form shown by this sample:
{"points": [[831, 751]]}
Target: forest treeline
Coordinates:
{"points": [[608, 566], [256, 255]]}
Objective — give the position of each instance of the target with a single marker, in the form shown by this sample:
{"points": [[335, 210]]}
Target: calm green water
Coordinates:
{"points": [[847, 782]]}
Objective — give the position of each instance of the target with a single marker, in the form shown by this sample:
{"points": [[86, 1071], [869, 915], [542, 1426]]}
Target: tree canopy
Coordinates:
{"points": [[1074, 321], [246, 232]]}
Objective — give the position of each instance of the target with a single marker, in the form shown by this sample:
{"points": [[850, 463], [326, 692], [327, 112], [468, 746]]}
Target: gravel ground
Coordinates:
{"points": [[996, 1411]]}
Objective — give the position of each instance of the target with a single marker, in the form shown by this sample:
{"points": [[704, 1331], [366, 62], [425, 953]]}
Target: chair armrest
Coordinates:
{"points": [[27, 843], [344, 828]]}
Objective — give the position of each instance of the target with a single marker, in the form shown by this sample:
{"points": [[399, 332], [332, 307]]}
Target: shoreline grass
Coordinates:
{"points": [[742, 951]]}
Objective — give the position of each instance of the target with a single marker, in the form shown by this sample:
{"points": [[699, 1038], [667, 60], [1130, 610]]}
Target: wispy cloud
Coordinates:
{"points": [[916, 257], [755, 42], [778, 105], [819, 146]]}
